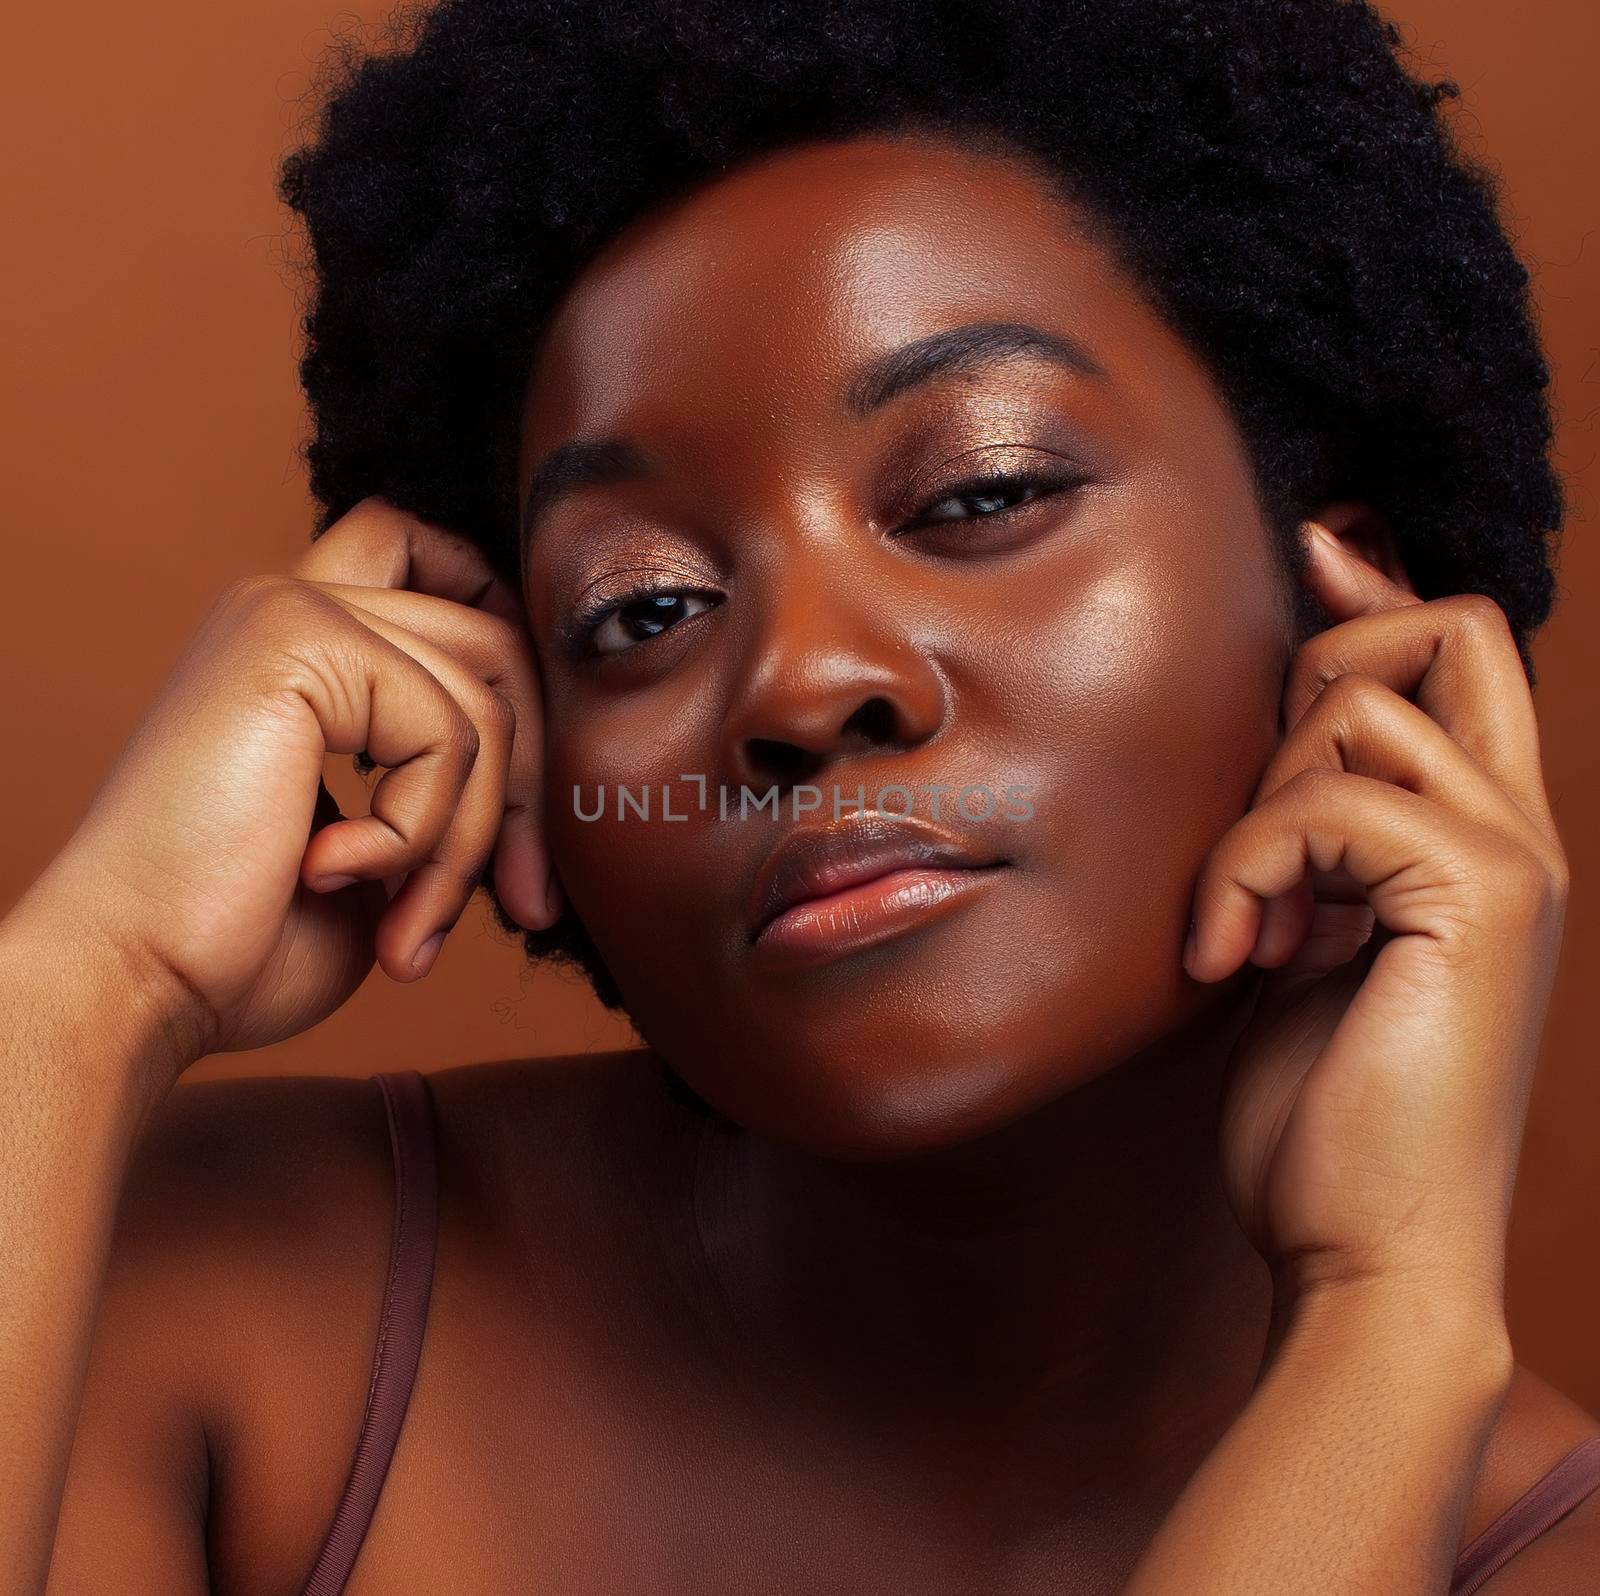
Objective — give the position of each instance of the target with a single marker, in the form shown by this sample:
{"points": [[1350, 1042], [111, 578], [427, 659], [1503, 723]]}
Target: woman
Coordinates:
{"points": [[1121, 429]]}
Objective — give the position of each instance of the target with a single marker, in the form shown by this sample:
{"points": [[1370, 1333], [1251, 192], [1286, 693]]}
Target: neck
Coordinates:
{"points": [[1079, 1272]]}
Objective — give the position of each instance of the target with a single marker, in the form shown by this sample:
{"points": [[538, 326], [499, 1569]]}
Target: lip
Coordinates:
{"points": [[823, 862], [817, 930]]}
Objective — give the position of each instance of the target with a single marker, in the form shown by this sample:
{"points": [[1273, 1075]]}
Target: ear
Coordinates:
{"points": [[1365, 532]]}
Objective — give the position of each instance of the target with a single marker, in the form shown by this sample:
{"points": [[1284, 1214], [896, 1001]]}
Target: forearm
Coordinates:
{"points": [[83, 1060], [1352, 1464]]}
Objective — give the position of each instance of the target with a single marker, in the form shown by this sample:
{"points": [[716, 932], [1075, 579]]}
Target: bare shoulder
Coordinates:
{"points": [[219, 1159], [1538, 1426], [241, 1305], [268, 1201], [235, 1327]]}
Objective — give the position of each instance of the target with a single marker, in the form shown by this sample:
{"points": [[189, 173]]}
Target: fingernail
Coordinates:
{"points": [[427, 953], [1326, 538], [330, 883]]}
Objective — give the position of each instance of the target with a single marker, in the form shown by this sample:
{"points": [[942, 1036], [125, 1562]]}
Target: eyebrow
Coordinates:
{"points": [[598, 462]]}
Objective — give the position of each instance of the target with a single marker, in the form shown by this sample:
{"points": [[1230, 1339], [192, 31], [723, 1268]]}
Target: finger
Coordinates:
{"points": [[439, 886], [326, 811], [1426, 869], [1348, 585], [1285, 923], [1361, 725], [499, 656], [1455, 657], [386, 701], [375, 544]]}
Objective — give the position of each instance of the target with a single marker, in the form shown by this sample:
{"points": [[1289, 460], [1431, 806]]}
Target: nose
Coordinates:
{"points": [[834, 671]]}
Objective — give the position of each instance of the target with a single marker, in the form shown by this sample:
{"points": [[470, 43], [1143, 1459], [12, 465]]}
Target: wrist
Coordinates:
{"points": [[130, 1025], [1440, 1323]]}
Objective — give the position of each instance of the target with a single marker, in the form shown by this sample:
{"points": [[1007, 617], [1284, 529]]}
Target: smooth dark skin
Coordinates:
{"points": [[966, 1307]]}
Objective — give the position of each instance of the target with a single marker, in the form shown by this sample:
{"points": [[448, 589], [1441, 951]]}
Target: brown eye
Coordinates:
{"points": [[621, 623], [990, 495]]}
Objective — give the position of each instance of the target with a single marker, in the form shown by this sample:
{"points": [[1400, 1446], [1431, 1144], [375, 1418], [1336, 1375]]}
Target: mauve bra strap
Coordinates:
{"points": [[1551, 1497], [400, 1330]]}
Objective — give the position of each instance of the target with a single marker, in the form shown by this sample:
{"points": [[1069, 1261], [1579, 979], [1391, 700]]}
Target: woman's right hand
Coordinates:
{"points": [[204, 855]]}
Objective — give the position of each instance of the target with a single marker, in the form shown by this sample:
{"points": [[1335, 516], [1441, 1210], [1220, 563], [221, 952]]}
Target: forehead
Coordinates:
{"points": [[761, 291], [797, 264]]}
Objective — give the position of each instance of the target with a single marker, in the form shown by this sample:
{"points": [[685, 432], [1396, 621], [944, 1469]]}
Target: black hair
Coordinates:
{"points": [[1273, 177]]}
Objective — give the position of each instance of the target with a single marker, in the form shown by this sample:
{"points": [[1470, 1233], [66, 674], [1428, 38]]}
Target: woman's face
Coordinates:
{"points": [[1108, 645]]}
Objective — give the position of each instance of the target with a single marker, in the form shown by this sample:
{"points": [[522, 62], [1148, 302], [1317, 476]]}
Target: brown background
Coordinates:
{"points": [[150, 415]]}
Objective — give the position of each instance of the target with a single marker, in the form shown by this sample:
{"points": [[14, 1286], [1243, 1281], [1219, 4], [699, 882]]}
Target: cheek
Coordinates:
{"points": [[1146, 684], [1131, 685], [630, 836], [1165, 680]]}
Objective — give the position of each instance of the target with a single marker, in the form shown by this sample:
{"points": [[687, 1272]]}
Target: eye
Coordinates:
{"points": [[988, 492], [617, 624]]}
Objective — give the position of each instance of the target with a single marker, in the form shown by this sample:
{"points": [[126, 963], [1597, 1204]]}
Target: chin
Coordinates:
{"points": [[928, 1040], [905, 1108], [918, 1066]]}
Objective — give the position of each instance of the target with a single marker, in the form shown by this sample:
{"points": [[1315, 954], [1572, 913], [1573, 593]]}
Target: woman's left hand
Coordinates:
{"points": [[1373, 1111]]}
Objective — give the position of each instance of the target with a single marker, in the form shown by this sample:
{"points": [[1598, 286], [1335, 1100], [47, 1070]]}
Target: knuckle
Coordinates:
{"points": [[467, 872], [1354, 694], [505, 639], [1549, 880], [499, 712], [1516, 876], [373, 516], [272, 593], [371, 527], [489, 712], [1478, 614], [442, 866], [250, 591], [1312, 786], [266, 605], [1312, 667], [464, 738], [1560, 874], [457, 867]]}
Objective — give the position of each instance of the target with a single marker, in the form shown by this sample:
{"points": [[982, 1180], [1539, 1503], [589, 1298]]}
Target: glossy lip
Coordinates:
{"points": [[817, 930], [819, 861]]}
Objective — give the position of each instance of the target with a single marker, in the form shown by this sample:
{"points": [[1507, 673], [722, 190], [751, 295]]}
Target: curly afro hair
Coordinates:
{"points": [[1287, 195]]}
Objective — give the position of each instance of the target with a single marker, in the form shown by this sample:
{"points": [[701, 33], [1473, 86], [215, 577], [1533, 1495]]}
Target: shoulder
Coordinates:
{"points": [[276, 1193], [241, 1293], [272, 1197], [219, 1160], [241, 1304], [244, 1196], [1537, 1427]]}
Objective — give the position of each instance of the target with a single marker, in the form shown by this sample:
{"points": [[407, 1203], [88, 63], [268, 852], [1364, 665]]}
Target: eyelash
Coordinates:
{"points": [[989, 483], [588, 621]]}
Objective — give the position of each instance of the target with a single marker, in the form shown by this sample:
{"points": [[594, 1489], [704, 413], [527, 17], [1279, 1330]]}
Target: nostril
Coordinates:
{"points": [[875, 720], [782, 760]]}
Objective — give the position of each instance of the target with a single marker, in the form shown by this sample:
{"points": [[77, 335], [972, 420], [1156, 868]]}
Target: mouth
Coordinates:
{"points": [[816, 929], [827, 891]]}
